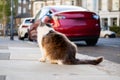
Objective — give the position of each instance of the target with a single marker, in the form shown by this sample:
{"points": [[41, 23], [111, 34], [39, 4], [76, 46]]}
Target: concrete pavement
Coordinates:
{"points": [[19, 60]]}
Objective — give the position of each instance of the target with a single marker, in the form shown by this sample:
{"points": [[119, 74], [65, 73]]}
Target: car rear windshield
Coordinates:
{"points": [[70, 8], [28, 21]]}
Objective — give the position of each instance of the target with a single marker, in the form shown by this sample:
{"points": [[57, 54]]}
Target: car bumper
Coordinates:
{"points": [[83, 38]]}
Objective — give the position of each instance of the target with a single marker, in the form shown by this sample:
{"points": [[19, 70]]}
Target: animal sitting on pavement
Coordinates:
{"points": [[58, 49]]}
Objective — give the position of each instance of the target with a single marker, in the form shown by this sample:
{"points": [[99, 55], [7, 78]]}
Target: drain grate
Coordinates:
{"points": [[2, 77], [4, 56]]}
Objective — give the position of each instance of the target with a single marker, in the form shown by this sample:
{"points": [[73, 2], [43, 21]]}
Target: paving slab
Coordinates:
{"points": [[23, 53], [3, 47], [4, 56], [35, 70], [33, 53], [2, 77], [24, 65]]}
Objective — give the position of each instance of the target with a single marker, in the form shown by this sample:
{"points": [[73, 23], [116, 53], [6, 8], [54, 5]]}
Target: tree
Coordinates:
{"points": [[5, 12]]}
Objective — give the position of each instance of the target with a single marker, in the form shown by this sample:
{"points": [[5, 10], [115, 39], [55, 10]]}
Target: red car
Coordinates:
{"points": [[75, 22]]}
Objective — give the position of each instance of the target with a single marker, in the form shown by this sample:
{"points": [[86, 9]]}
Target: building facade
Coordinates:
{"points": [[29, 8], [109, 10], [23, 8]]}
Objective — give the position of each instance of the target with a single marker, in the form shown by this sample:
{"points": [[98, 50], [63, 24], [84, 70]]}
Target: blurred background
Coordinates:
{"points": [[108, 10]]}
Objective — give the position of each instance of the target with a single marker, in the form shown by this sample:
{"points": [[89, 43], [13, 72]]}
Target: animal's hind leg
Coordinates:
{"points": [[56, 62], [53, 61], [60, 62]]}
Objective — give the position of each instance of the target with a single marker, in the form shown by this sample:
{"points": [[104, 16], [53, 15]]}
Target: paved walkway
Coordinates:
{"points": [[19, 61]]}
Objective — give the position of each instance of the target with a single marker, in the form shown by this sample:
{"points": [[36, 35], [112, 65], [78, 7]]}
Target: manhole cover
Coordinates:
{"points": [[4, 56]]}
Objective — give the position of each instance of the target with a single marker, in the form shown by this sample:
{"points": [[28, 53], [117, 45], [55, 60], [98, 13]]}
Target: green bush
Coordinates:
{"points": [[115, 29]]}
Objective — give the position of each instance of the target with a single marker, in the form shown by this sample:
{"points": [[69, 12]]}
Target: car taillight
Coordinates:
{"points": [[24, 26], [95, 16]]}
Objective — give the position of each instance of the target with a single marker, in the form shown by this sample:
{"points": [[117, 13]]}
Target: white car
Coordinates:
{"points": [[23, 28], [107, 34]]}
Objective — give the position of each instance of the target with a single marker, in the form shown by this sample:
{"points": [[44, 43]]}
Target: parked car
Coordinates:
{"points": [[107, 33], [23, 28], [75, 22]]}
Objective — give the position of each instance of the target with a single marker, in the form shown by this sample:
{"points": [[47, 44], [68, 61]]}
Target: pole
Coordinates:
{"points": [[11, 25]]}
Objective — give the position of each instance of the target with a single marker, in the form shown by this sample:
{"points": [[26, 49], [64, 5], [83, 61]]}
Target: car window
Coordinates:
{"points": [[44, 12], [37, 15], [28, 21]]}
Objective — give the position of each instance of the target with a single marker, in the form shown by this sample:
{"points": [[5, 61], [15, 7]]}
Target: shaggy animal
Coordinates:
{"points": [[58, 49]]}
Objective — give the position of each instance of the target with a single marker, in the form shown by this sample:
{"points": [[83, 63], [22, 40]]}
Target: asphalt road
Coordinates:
{"points": [[108, 48]]}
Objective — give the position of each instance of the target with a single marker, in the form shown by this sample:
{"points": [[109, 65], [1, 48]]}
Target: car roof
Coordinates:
{"points": [[62, 8]]}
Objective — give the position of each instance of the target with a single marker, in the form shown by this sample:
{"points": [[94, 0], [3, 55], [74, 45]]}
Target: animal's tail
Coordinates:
{"points": [[89, 61]]}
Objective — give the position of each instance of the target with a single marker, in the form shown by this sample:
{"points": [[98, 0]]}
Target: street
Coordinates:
{"points": [[20, 60]]}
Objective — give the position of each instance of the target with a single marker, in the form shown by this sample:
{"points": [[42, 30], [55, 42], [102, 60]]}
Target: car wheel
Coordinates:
{"points": [[29, 38], [21, 38], [112, 36], [106, 36], [91, 42], [26, 35]]}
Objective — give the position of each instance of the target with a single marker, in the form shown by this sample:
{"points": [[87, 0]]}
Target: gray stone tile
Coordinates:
{"points": [[4, 56], [2, 77], [3, 47]]}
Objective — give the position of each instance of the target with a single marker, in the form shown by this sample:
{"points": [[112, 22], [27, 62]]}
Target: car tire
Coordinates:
{"points": [[30, 39], [112, 36], [21, 38], [106, 36], [29, 36], [26, 35], [91, 42]]}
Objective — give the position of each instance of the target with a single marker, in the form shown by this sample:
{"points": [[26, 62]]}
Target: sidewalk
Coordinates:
{"points": [[21, 62]]}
